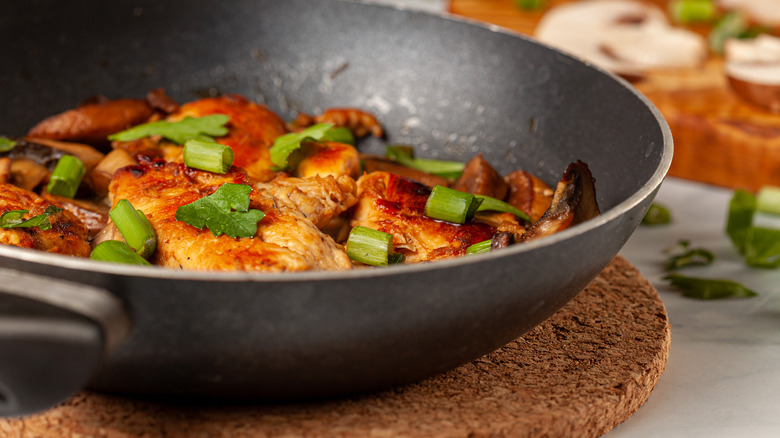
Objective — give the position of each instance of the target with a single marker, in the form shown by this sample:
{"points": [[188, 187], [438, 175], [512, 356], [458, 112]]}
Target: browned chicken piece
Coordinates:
{"points": [[330, 158], [5, 169], [480, 178], [574, 202], [374, 163], [286, 239], [358, 121], [529, 194], [94, 216], [67, 234], [94, 122], [252, 131], [396, 205]]}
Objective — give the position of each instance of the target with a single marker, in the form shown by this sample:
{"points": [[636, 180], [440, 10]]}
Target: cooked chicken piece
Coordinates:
{"points": [[395, 205], [92, 214], [5, 169], [358, 121], [287, 238], [67, 234], [330, 158], [253, 129]]}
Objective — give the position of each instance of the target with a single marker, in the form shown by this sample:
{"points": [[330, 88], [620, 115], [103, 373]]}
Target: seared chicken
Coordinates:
{"points": [[67, 234], [395, 205], [287, 238]]}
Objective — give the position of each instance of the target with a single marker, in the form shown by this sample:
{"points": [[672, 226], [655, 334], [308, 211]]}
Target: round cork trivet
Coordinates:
{"points": [[581, 373]]}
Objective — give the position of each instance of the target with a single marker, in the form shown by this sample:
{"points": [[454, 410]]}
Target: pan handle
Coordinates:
{"points": [[53, 335]]}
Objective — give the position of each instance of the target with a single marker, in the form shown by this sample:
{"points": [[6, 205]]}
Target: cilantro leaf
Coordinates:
{"points": [[14, 219], [6, 144], [201, 128], [226, 211], [689, 257], [286, 144], [707, 288]]}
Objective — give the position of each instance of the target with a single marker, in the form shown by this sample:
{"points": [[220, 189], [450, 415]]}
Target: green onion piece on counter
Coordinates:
{"points": [[6, 144], [742, 208], [692, 11], [340, 135], [657, 215], [368, 246], [451, 205], [708, 289], [492, 204], [14, 219], [690, 257], [479, 247], [763, 248], [768, 200], [286, 144], [732, 25], [198, 128], [66, 177], [208, 156], [530, 5], [115, 251], [404, 155], [135, 228]]}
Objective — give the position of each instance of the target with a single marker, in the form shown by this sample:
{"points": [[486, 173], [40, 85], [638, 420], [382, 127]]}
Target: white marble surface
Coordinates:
{"points": [[723, 374]]}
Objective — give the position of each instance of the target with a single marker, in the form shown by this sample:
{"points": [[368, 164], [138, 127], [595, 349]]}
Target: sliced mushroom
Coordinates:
{"points": [[763, 12], [93, 215], [627, 37], [28, 174], [480, 178], [574, 202], [753, 70], [528, 193], [103, 172]]}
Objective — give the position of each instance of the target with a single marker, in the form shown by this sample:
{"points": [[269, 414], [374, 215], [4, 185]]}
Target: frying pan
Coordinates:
{"points": [[449, 87]]}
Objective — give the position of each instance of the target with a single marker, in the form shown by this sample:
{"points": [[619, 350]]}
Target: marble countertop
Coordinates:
{"points": [[723, 374]]}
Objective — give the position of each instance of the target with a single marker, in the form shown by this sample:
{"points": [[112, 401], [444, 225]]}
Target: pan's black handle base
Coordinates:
{"points": [[46, 353]]}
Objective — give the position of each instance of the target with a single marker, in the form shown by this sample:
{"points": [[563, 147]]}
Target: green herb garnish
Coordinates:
{"points": [[14, 219], [6, 144], [201, 128], [116, 251], [689, 257], [657, 215], [479, 247], [708, 289], [404, 155], [226, 211], [286, 144]]}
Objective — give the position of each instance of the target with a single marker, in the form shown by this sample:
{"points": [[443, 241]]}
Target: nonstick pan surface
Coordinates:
{"points": [[449, 87]]}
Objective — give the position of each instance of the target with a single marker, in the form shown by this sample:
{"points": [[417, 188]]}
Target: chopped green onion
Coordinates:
{"points": [[6, 144], [763, 248], [66, 177], [368, 246], [493, 204], [135, 228], [404, 155], [200, 128], [690, 257], [708, 289], [208, 156], [768, 200], [116, 251], [479, 248], [13, 219], [395, 258], [742, 208], [732, 25], [657, 215], [451, 205], [530, 5], [286, 144], [692, 11], [340, 135]]}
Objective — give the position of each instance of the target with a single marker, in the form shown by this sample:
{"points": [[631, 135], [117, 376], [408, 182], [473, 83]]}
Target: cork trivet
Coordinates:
{"points": [[582, 372]]}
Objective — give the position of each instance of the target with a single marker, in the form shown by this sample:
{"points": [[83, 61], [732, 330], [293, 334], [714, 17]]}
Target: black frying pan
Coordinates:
{"points": [[448, 87]]}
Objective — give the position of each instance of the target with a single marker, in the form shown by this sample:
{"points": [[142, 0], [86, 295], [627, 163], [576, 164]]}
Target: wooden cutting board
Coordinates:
{"points": [[719, 138], [582, 372]]}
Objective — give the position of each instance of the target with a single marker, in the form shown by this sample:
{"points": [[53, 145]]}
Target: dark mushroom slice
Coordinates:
{"points": [[373, 163], [528, 193], [574, 202], [502, 239], [480, 178], [92, 214]]}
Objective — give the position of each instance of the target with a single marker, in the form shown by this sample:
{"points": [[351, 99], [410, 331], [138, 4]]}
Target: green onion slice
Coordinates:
{"points": [[492, 204], [404, 155], [340, 135], [286, 144], [479, 247], [117, 252], [657, 215], [451, 205], [368, 246], [135, 228], [66, 177], [768, 200], [6, 144], [692, 11], [530, 5], [208, 156]]}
